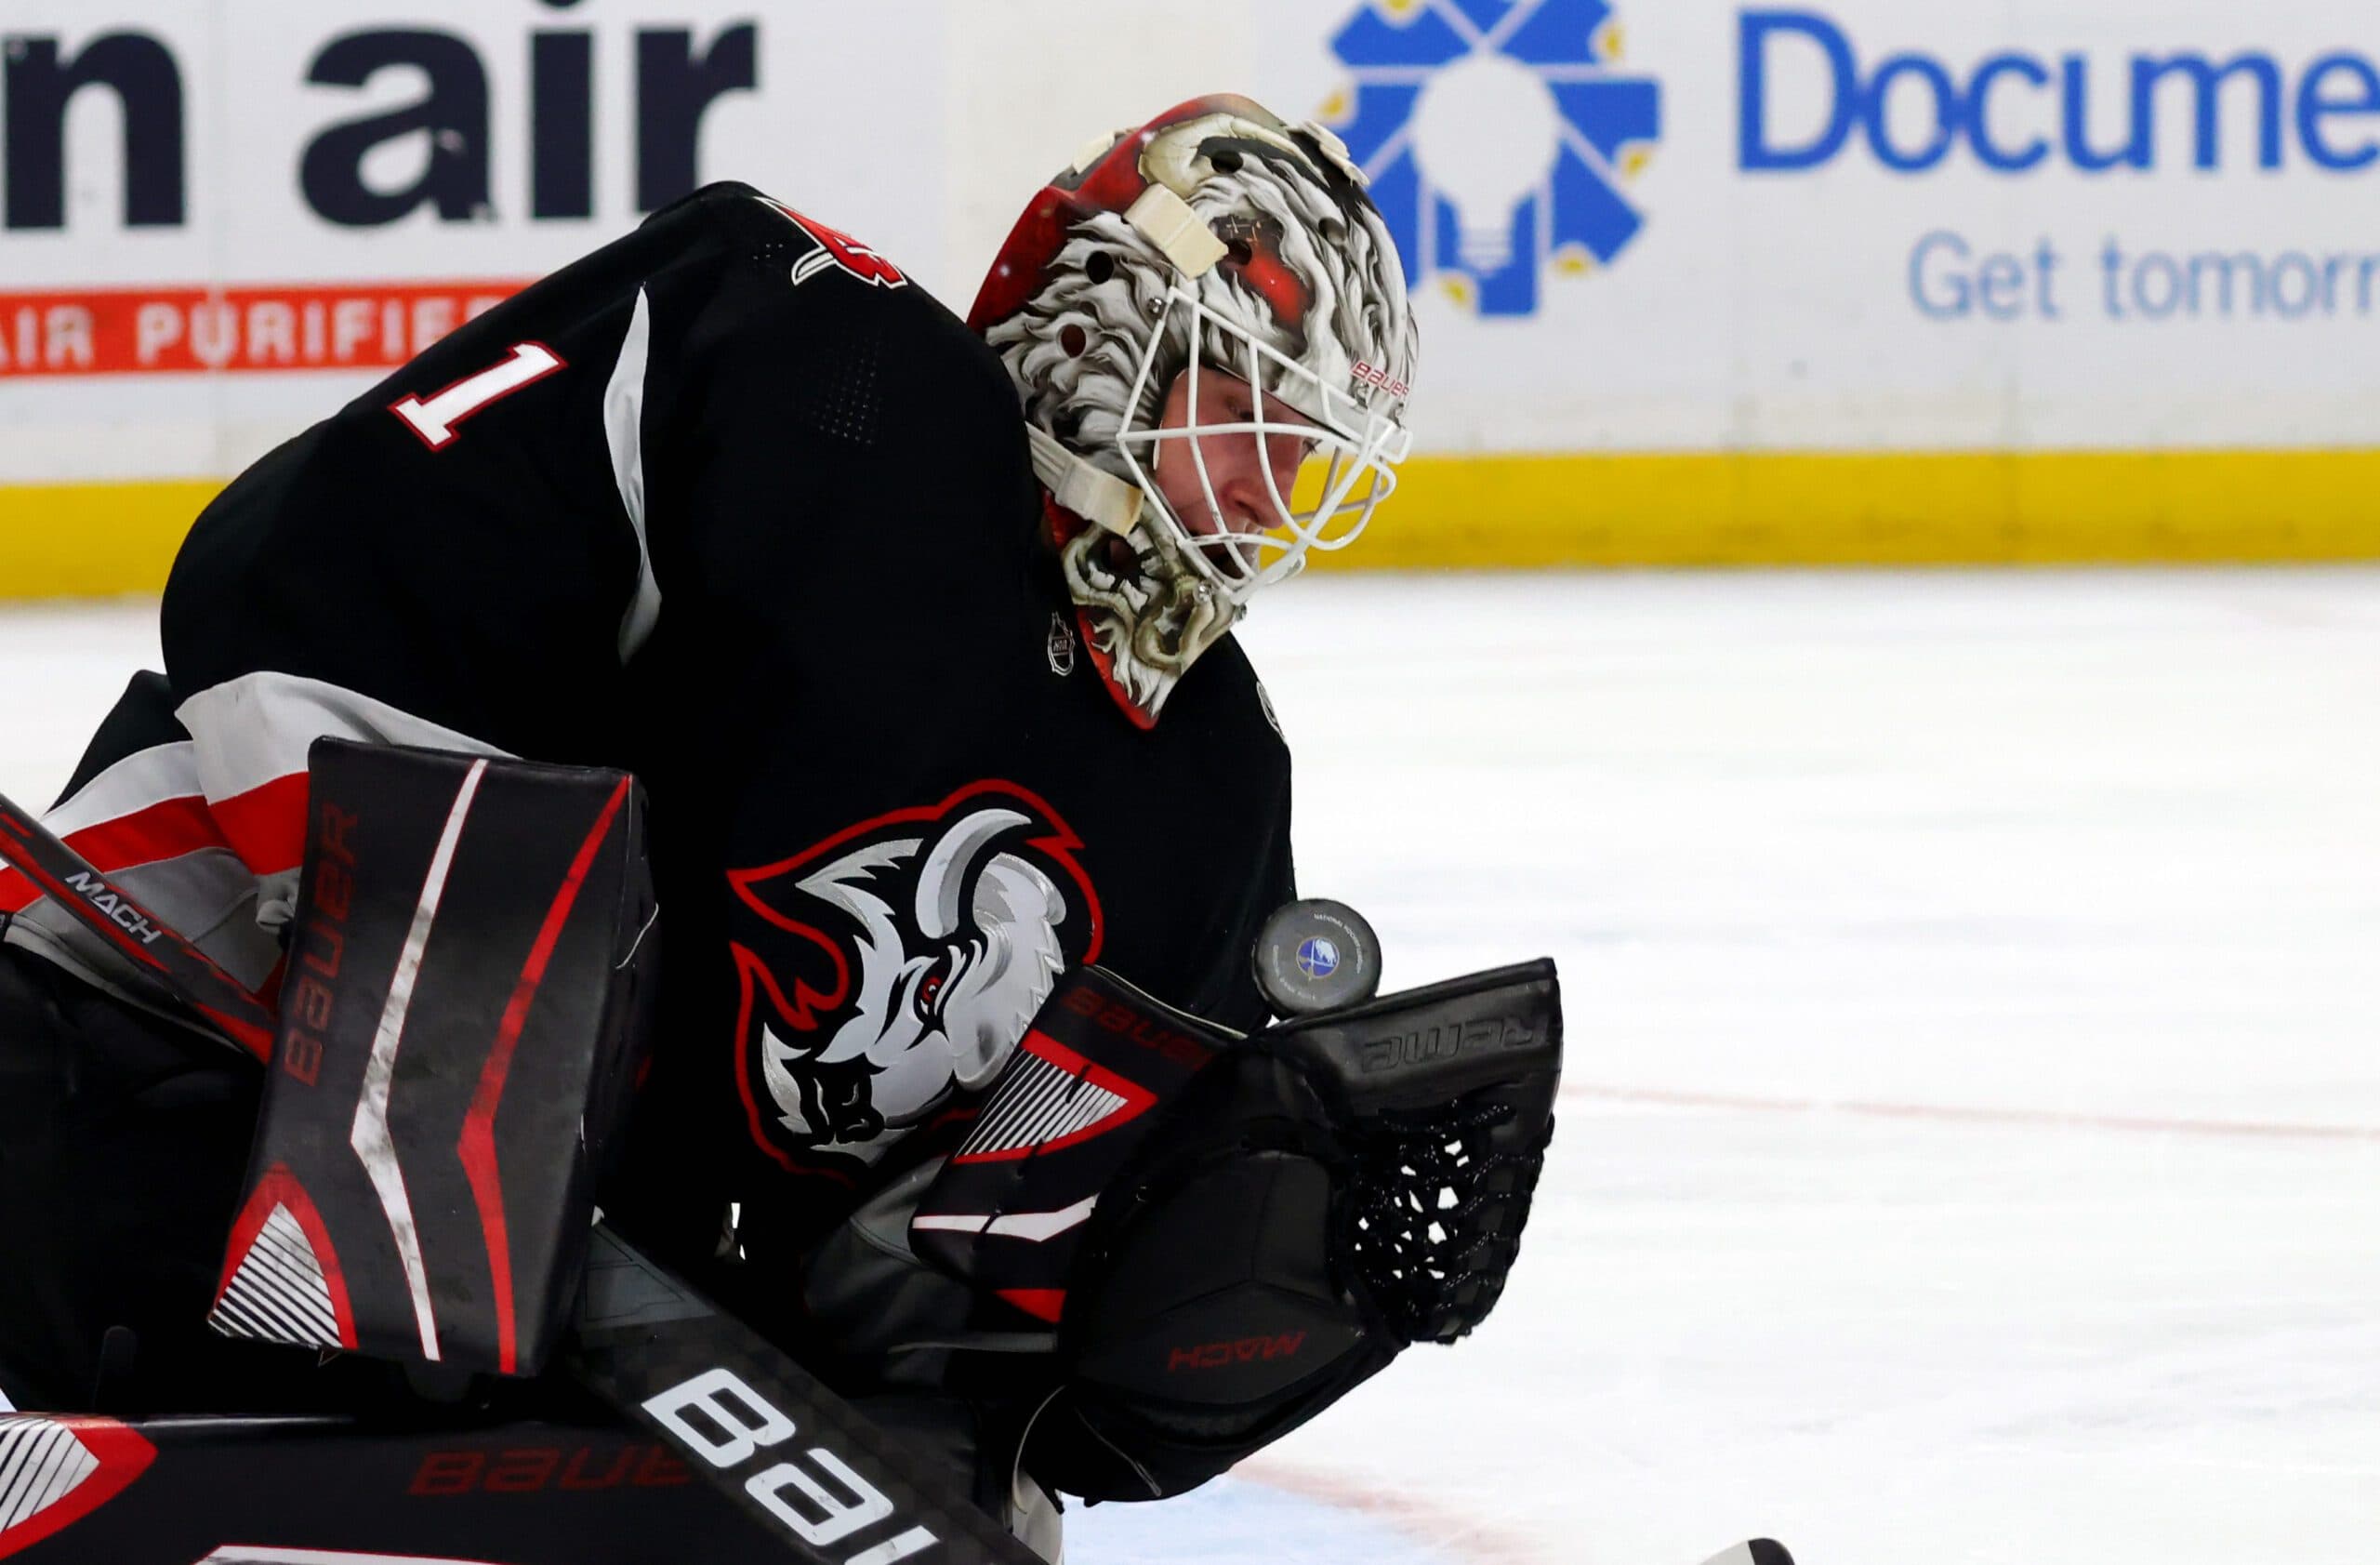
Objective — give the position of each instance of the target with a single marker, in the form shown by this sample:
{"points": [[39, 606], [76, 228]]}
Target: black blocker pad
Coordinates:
{"points": [[461, 1015]]}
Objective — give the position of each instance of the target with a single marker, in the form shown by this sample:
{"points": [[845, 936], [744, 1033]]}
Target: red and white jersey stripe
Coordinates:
{"points": [[208, 832], [250, 736]]}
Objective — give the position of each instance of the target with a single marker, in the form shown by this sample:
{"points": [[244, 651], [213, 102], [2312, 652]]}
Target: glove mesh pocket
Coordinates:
{"points": [[1434, 1216]]}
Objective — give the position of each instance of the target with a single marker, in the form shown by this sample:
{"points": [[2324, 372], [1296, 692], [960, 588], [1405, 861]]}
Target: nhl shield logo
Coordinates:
{"points": [[898, 963], [1061, 645]]}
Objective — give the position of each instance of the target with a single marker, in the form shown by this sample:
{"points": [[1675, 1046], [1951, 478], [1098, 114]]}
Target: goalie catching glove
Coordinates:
{"points": [[1231, 1234]]}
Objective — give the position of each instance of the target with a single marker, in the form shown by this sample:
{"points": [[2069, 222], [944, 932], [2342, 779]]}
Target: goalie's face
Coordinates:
{"points": [[1253, 459], [1234, 461], [1239, 484]]}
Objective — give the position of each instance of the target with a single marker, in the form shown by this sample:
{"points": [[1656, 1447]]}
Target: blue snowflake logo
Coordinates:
{"points": [[1497, 135]]}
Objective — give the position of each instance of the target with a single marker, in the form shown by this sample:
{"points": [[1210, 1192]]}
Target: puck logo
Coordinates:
{"points": [[720, 1420], [1316, 955]]}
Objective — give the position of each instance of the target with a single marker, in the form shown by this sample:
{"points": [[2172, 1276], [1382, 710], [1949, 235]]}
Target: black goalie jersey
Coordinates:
{"points": [[732, 504]]}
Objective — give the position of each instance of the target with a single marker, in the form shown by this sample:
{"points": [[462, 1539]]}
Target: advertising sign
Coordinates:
{"points": [[1892, 279]]}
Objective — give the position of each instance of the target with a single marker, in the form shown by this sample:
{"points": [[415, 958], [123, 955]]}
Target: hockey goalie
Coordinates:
{"points": [[913, 634]]}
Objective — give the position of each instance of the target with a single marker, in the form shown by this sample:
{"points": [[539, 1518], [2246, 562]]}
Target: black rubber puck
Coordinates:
{"points": [[1316, 955]]}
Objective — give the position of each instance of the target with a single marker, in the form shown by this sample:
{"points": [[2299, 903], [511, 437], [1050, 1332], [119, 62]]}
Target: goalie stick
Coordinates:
{"points": [[812, 1469], [68, 879], [1760, 1551]]}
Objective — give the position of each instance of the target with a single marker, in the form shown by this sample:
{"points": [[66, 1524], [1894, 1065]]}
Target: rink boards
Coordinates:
{"points": [[1874, 281], [1555, 511]]}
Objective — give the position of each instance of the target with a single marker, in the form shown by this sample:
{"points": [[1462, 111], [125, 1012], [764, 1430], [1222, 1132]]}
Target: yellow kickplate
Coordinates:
{"points": [[1539, 511], [1948, 507], [69, 540]]}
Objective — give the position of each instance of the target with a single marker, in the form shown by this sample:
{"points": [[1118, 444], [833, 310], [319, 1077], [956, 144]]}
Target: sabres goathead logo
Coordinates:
{"points": [[898, 963]]}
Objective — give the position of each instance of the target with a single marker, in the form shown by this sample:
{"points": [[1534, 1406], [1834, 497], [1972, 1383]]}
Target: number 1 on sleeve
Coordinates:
{"points": [[433, 418]]}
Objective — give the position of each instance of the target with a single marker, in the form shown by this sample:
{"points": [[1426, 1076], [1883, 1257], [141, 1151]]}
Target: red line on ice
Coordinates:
{"points": [[1437, 1526], [1955, 1114]]}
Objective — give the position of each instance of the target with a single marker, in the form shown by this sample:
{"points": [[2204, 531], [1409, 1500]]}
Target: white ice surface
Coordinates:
{"points": [[1971, 1148]]}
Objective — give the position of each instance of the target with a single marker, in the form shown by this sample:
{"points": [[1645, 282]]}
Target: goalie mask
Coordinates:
{"points": [[1216, 240]]}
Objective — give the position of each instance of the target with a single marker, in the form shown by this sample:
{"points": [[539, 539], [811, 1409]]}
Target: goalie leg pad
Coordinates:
{"points": [[459, 1023]]}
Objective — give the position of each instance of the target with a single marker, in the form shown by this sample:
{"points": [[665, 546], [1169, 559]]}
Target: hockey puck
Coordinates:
{"points": [[1316, 955]]}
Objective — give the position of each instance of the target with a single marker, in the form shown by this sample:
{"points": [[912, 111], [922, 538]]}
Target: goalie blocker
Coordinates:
{"points": [[445, 1069]]}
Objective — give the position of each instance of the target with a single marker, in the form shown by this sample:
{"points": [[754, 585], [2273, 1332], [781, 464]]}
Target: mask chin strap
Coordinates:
{"points": [[1098, 496]]}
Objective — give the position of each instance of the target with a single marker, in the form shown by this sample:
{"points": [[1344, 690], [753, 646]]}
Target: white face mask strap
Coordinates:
{"points": [[1166, 221], [1097, 497]]}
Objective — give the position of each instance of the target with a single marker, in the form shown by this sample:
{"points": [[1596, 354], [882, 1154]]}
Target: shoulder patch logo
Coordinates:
{"points": [[838, 251], [896, 963], [1265, 699]]}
